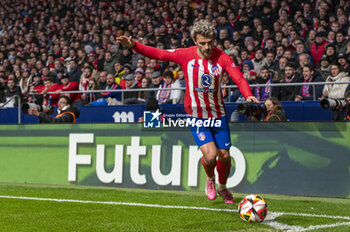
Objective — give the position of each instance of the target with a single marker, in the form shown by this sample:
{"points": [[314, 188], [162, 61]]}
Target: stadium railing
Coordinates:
{"points": [[4, 105], [313, 84]]}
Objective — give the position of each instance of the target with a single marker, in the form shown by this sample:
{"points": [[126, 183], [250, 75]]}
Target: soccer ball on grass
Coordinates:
{"points": [[252, 208]]}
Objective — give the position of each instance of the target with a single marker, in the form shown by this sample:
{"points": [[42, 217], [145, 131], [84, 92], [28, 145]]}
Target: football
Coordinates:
{"points": [[252, 208]]}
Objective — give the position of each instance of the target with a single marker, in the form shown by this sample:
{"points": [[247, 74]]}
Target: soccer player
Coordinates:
{"points": [[203, 67]]}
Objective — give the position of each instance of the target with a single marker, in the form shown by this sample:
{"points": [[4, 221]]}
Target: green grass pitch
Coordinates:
{"points": [[111, 209]]}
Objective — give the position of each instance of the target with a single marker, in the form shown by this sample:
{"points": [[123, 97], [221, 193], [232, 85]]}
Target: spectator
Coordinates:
{"points": [[287, 93], [306, 92], [118, 71], [58, 68], [139, 76], [168, 96], [81, 57], [33, 83], [325, 67], [226, 81], [270, 61], [23, 82], [100, 58], [258, 61], [347, 108], [247, 65], [311, 37], [142, 95], [87, 98], [126, 71], [265, 77], [130, 83], [85, 77], [280, 74], [274, 111], [335, 91], [279, 52], [319, 46], [347, 53], [304, 59], [141, 63], [157, 81], [49, 86], [68, 85], [331, 53], [102, 80], [111, 85], [181, 82], [270, 46], [74, 72], [340, 44], [223, 35], [2, 89], [301, 49], [344, 63], [67, 113], [109, 62], [12, 90], [92, 59], [148, 73], [125, 56]]}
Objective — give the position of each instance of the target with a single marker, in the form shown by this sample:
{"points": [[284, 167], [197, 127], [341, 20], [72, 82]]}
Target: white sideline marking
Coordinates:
{"points": [[270, 219], [119, 203]]}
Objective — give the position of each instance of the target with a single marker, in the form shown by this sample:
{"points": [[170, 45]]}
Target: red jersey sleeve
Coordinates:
{"points": [[158, 54], [230, 67]]}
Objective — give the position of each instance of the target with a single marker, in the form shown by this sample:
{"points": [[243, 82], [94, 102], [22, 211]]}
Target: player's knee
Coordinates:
{"points": [[210, 158], [224, 154]]}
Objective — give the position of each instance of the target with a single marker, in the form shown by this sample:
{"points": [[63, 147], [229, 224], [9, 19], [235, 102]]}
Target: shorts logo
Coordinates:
{"points": [[206, 80], [201, 136]]}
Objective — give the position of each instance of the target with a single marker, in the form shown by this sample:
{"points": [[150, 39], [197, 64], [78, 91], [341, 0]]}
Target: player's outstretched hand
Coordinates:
{"points": [[252, 99], [126, 41]]}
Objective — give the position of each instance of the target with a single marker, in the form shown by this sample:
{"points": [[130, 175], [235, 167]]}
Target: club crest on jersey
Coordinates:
{"points": [[215, 70], [206, 80]]}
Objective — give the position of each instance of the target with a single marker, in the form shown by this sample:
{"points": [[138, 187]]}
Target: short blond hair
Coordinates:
{"points": [[204, 28]]}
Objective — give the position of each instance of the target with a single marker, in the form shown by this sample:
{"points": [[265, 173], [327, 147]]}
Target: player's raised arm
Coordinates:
{"points": [[152, 52], [238, 78]]}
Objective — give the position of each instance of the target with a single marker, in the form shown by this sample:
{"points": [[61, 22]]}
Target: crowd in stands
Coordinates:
{"points": [[57, 46]]}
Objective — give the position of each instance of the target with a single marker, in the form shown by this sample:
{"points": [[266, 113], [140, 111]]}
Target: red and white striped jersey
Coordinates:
{"points": [[203, 77]]}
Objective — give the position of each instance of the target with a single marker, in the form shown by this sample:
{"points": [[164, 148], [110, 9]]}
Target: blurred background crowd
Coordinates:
{"points": [[56, 46]]}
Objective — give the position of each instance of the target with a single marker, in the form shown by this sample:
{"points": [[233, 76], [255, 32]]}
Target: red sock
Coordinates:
{"points": [[223, 169], [209, 169]]}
